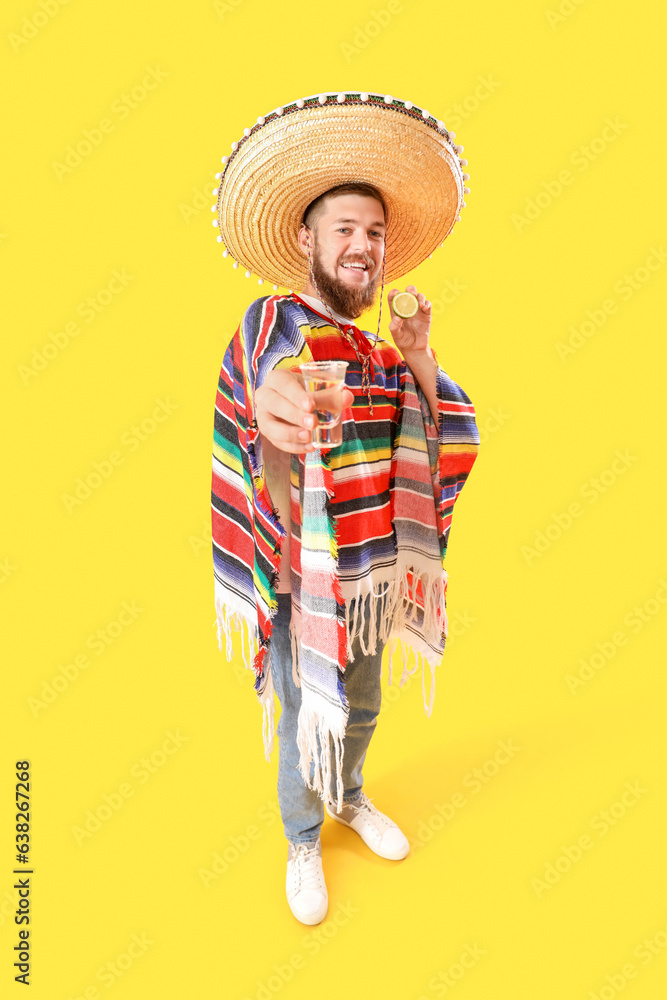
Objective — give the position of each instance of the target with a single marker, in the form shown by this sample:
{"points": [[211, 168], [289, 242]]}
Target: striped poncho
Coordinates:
{"points": [[370, 520]]}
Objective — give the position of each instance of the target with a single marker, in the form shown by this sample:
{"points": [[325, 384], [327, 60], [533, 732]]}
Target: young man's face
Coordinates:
{"points": [[350, 231]]}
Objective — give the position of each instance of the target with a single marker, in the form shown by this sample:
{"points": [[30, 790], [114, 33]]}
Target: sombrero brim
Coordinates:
{"points": [[298, 152]]}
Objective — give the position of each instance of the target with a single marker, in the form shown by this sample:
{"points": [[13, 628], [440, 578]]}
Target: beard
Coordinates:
{"points": [[344, 299]]}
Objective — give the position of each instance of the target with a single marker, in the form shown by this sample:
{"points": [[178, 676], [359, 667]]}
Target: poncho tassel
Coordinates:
{"points": [[314, 731], [268, 709], [429, 708], [228, 621], [421, 659], [399, 606]]}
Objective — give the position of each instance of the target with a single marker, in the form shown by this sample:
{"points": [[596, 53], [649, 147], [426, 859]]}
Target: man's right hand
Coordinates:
{"points": [[284, 409]]}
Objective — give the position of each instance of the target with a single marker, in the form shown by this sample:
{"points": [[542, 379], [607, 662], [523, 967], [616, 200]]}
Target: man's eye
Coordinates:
{"points": [[345, 229]]}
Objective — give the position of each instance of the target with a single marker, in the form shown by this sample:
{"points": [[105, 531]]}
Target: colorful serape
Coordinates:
{"points": [[370, 520]]}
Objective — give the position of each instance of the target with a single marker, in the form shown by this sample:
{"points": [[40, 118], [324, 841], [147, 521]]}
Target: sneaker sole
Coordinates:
{"points": [[310, 918]]}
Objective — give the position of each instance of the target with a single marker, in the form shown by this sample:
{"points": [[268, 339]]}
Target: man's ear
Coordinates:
{"points": [[304, 237]]}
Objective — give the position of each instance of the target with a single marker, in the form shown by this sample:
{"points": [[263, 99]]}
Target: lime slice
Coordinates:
{"points": [[405, 305]]}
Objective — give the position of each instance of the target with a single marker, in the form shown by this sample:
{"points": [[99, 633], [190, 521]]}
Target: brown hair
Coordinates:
{"points": [[316, 208]]}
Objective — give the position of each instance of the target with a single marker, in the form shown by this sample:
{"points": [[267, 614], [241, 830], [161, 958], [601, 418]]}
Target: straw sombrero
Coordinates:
{"points": [[299, 151]]}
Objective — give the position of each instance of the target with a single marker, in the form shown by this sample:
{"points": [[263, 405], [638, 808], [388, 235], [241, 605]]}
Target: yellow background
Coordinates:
{"points": [[139, 204]]}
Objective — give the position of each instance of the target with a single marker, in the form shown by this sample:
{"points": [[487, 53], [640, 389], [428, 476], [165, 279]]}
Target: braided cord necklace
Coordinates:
{"points": [[364, 359]]}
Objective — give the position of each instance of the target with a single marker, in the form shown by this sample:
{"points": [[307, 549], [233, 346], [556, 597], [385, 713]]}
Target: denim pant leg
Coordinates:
{"points": [[363, 690], [301, 808]]}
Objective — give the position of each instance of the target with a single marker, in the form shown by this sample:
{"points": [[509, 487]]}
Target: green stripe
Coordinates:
{"points": [[356, 451]]}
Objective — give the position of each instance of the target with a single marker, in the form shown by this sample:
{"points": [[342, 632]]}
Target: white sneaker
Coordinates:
{"points": [[305, 886], [376, 830]]}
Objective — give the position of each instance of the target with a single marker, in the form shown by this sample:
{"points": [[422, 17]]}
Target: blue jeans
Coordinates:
{"points": [[301, 808]]}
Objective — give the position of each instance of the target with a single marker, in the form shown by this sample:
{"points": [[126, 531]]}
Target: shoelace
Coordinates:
{"points": [[306, 871], [366, 805]]}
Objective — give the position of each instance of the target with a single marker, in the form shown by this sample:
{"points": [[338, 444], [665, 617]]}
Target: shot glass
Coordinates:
{"points": [[328, 429]]}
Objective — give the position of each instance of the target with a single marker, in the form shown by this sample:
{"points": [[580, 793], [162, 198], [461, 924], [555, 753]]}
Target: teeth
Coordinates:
{"points": [[359, 267]]}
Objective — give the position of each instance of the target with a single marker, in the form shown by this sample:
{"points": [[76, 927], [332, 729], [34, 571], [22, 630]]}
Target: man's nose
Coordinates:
{"points": [[360, 242]]}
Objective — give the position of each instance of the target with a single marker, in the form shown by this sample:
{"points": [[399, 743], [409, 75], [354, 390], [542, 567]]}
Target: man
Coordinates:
{"points": [[328, 544]]}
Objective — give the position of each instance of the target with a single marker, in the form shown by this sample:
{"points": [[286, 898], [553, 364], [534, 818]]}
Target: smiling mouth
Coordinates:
{"points": [[355, 266]]}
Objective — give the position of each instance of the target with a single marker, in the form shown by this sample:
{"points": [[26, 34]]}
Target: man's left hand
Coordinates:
{"points": [[411, 334]]}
